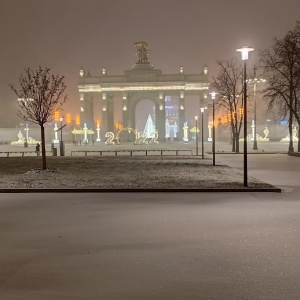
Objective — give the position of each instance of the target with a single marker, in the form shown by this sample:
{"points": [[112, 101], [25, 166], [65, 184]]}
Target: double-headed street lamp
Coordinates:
{"points": [[213, 97], [196, 119], [245, 55]]}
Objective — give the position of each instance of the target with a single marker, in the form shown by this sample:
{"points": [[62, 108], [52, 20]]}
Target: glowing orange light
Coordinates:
{"points": [[98, 122], [68, 118], [56, 116], [77, 120]]}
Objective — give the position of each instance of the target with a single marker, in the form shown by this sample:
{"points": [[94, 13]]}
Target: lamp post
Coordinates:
{"points": [[213, 97], [245, 54], [196, 118], [62, 152], [202, 133]]}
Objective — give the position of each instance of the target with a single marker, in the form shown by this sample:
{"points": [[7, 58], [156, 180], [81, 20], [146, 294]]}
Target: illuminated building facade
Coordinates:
{"points": [[141, 82]]}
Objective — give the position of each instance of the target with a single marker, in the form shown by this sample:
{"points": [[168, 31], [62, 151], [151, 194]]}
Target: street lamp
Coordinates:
{"points": [[202, 136], [245, 54], [213, 97], [196, 118], [62, 152], [255, 81]]}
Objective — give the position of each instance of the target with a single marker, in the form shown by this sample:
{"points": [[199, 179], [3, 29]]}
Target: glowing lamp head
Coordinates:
{"points": [[196, 118], [245, 52], [213, 95]]}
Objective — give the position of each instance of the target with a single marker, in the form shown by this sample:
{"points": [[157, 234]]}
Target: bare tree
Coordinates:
{"points": [[229, 85], [40, 94], [281, 65]]}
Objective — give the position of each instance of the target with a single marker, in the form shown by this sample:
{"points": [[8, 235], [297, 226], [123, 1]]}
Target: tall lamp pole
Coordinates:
{"points": [[62, 152], [213, 97], [245, 55], [196, 118], [202, 134]]}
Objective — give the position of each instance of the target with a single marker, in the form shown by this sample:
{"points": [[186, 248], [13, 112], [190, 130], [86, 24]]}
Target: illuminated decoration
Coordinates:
{"points": [[124, 107], [119, 126], [205, 70], [21, 140], [111, 137], [128, 129], [149, 128], [181, 70], [185, 132], [26, 132], [171, 129], [85, 133], [81, 72], [56, 116], [266, 133], [161, 107], [181, 107], [103, 96], [77, 120], [81, 109], [124, 96], [68, 118], [76, 132], [81, 97], [294, 135], [104, 71], [181, 95], [194, 130], [167, 129], [98, 139], [55, 141], [161, 96], [104, 108], [209, 131], [205, 96]]}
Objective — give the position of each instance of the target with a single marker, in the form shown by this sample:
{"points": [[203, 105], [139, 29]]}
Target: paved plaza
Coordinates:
{"points": [[156, 246]]}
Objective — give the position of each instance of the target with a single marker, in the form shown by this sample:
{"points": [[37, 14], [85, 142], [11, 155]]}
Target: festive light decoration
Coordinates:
{"points": [[56, 116], [128, 129], [110, 135], [68, 118]]}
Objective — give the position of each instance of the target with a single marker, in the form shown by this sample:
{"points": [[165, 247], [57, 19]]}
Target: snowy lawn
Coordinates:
{"points": [[133, 172]]}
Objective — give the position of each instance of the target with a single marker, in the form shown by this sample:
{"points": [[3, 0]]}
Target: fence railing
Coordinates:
{"points": [[131, 152]]}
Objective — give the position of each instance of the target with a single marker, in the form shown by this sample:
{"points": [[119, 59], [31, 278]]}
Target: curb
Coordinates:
{"points": [[192, 190]]}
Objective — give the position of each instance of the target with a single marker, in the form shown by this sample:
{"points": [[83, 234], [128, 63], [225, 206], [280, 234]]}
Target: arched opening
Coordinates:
{"points": [[144, 108]]}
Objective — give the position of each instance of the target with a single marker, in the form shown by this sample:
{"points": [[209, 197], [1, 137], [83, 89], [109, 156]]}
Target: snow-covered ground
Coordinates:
{"points": [[130, 172]]}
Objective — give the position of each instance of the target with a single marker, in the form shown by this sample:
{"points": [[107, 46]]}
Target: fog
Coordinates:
{"points": [[66, 35]]}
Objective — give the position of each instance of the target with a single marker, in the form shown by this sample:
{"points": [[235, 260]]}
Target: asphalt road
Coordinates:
{"points": [[156, 246]]}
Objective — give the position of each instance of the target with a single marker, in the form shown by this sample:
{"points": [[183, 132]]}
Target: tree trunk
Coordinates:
{"points": [[43, 147], [291, 145], [237, 150], [233, 143]]}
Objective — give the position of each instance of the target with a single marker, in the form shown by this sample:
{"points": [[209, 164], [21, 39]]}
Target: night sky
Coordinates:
{"points": [[68, 34]]}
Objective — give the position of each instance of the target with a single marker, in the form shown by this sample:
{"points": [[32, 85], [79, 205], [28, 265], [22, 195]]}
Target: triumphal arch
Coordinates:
{"points": [[141, 82]]}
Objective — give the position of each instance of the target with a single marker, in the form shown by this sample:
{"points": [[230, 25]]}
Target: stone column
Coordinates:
{"points": [[107, 115], [87, 109], [160, 119]]}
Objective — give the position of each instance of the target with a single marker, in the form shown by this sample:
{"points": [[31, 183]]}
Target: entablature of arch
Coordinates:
{"points": [[188, 88]]}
